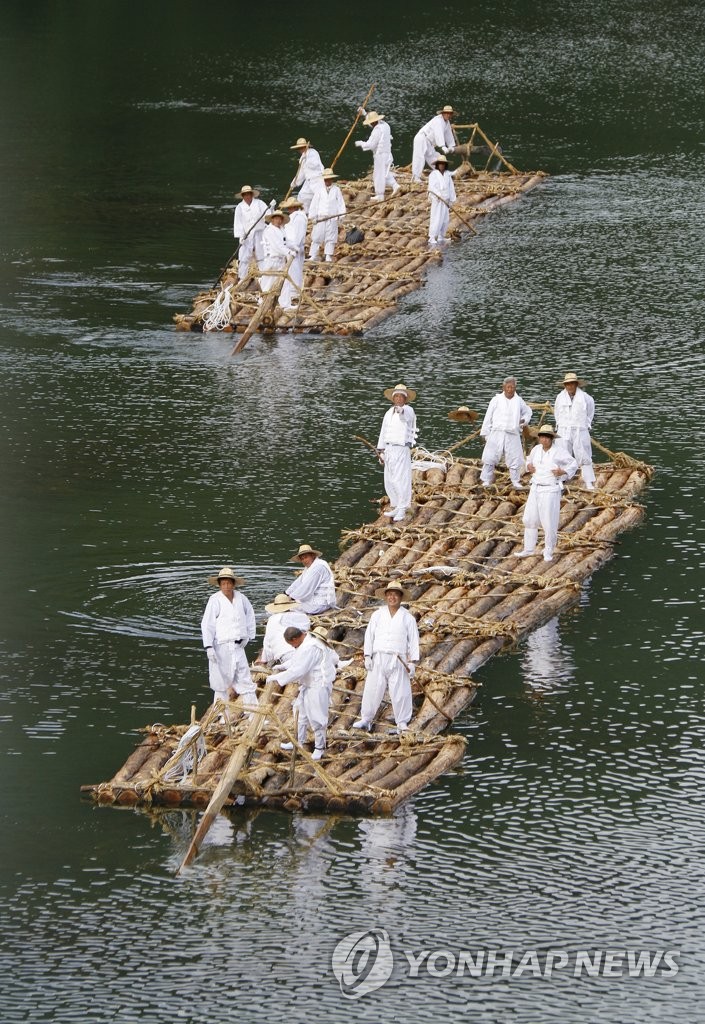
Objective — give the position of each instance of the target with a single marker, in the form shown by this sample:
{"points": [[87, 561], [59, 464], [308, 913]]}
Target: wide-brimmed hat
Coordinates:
{"points": [[400, 389], [392, 585], [439, 158], [247, 190], [572, 378], [448, 109], [322, 633], [328, 174], [281, 603], [226, 573], [301, 143], [292, 203], [373, 117], [463, 415], [547, 430], [304, 549], [277, 212]]}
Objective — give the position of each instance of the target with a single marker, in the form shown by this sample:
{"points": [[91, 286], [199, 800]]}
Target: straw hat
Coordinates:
{"points": [[226, 573], [328, 174], [447, 110], [304, 549], [572, 378], [276, 212], [372, 118], [392, 585], [301, 143], [321, 633], [247, 190], [463, 415], [547, 430], [439, 158], [281, 603], [292, 203], [400, 389]]}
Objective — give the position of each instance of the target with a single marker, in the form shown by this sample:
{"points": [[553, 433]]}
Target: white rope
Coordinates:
{"points": [[192, 740], [423, 459], [217, 316]]}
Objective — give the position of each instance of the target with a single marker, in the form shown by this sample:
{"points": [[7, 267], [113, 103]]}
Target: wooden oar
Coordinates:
{"points": [[354, 125], [228, 778], [368, 444], [269, 301]]}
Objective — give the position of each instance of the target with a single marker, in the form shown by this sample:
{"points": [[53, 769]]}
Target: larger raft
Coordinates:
{"points": [[365, 283], [455, 553]]}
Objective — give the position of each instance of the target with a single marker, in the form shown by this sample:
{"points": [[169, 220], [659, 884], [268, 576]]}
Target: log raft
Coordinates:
{"points": [[455, 554], [367, 279]]}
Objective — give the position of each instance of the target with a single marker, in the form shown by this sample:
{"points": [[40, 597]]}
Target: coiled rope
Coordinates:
{"points": [[217, 316]]}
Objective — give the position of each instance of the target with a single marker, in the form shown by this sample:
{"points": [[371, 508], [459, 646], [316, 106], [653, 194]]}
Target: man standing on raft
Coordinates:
{"points": [[396, 439]]}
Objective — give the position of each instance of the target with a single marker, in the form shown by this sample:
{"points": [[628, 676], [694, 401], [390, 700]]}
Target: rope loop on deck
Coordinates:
{"points": [[217, 316]]}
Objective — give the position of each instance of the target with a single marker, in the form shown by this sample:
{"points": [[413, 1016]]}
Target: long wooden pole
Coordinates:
{"points": [[461, 219], [269, 301], [354, 125], [229, 776]]}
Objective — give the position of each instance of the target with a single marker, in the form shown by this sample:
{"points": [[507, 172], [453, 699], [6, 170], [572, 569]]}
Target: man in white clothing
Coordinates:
{"points": [[312, 668], [314, 589], [295, 239], [436, 133], [380, 145], [396, 439], [326, 211], [391, 651], [276, 251], [227, 625], [308, 178], [574, 410], [506, 416], [549, 466], [441, 193], [283, 611], [248, 226]]}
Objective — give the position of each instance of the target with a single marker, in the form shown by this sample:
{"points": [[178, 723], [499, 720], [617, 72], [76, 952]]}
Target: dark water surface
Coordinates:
{"points": [[135, 460]]}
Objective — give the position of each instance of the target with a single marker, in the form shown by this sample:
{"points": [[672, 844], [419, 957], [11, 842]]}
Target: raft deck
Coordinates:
{"points": [[366, 280], [455, 554]]}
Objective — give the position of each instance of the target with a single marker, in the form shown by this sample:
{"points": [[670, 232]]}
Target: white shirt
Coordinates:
{"points": [[442, 185], [392, 634], [326, 202], [439, 132], [295, 231], [545, 461], [573, 412], [225, 620], [380, 140], [314, 589], [507, 414], [274, 646], [247, 215], [310, 167], [310, 665], [275, 247], [398, 427]]}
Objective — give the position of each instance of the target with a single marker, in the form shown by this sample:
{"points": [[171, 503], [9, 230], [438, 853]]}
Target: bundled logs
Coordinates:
{"points": [[367, 279], [455, 554]]}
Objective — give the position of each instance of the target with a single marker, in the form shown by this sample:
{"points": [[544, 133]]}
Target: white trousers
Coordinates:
{"points": [[307, 190], [502, 444], [271, 263], [296, 273], [324, 234], [577, 443], [397, 475], [542, 509], [387, 671], [252, 246], [440, 215], [422, 153], [312, 705], [382, 177], [230, 669]]}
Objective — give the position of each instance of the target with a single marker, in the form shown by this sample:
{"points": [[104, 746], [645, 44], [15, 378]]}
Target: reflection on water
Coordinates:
{"points": [[546, 662]]}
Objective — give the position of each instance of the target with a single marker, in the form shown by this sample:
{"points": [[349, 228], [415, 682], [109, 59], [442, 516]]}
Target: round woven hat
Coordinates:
{"points": [[304, 549], [547, 430], [276, 212], [372, 118], [392, 585], [301, 143], [447, 110], [400, 389], [247, 190], [281, 603], [321, 633], [463, 415], [226, 573], [571, 378], [292, 203], [328, 174], [439, 158]]}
